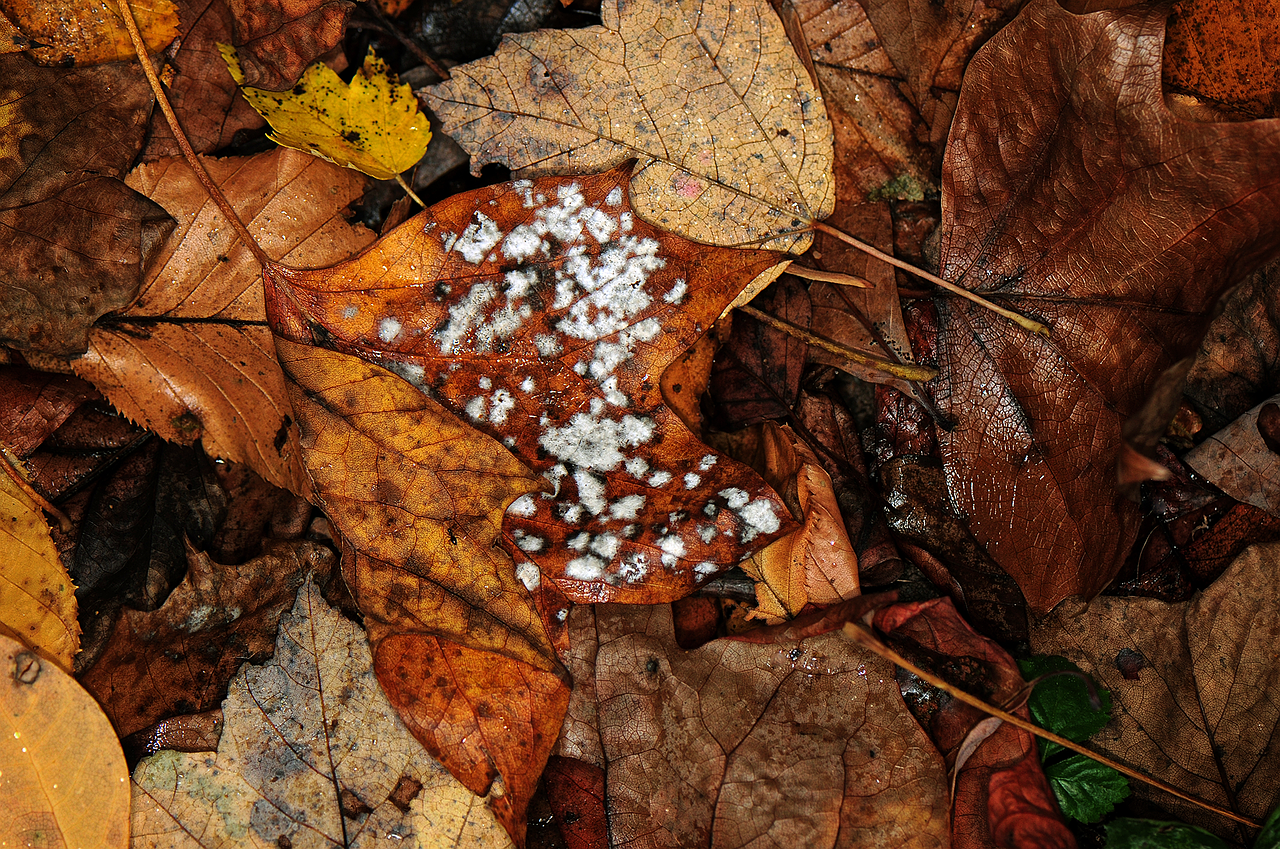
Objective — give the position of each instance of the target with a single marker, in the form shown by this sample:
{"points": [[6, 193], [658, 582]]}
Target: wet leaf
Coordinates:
{"points": [[311, 754], [191, 358], [796, 738], [732, 141], [1224, 51], [1066, 237], [1085, 789], [371, 124], [543, 313], [89, 33], [1197, 706], [64, 779], [37, 598]]}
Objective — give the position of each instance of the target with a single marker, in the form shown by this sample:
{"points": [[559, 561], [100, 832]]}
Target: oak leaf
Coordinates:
{"points": [[1058, 228], [732, 141], [543, 312], [1194, 684], [64, 778], [192, 357], [311, 754], [371, 124]]}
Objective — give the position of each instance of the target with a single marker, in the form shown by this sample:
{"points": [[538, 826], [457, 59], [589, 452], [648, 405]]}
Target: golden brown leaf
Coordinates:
{"points": [[1225, 51], [732, 139], [64, 780], [89, 33], [192, 357]]}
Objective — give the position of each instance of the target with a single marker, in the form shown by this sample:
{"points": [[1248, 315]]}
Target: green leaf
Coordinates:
{"points": [[1154, 834], [372, 125], [1087, 790], [1061, 703], [1269, 838]]}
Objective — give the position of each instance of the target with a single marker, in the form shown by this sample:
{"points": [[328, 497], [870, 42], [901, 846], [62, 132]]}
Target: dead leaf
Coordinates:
{"points": [[731, 137], [372, 124], [179, 658], [419, 497], [1243, 459], [1066, 237], [312, 754], [490, 720], [1002, 797], [191, 358], [1194, 686], [80, 239], [795, 738], [37, 598], [37, 404], [277, 39], [64, 778], [543, 312], [1225, 51], [576, 792], [89, 33]]}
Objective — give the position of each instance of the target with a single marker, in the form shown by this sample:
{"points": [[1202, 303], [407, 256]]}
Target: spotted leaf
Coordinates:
{"points": [[543, 312]]}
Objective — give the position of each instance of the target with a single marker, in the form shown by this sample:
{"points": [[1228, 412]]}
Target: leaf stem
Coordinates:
{"points": [[1017, 318], [404, 184], [215, 193], [905, 371], [828, 276], [863, 636]]}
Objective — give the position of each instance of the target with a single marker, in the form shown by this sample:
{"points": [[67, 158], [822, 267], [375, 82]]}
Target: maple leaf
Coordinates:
{"points": [[543, 312], [731, 137], [1057, 226]]}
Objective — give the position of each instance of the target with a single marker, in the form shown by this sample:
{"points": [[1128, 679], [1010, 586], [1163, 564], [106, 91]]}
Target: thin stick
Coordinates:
{"points": [[828, 276], [905, 371], [408, 190], [861, 635], [10, 464], [215, 193], [1021, 320]]}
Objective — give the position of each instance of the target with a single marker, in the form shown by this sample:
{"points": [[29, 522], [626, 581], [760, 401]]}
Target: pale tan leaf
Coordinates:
{"points": [[732, 139]]}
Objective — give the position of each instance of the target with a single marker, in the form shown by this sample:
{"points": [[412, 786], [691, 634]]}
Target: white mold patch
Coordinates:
{"points": [[475, 408], [677, 292], [634, 568], [735, 498], [691, 480], [484, 383], [477, 240], [548, 346], [528, 542], [523, 506], [500, 404], [389, 329], [615, 197], [527, 385], [707, 533], [528, 574], [759, 518], [589, 568], [672, 549], [637, 466], [706, 568], [591, 442], [350, 311], [660, 479], [591, 492], [627, 507], [708, 461]]}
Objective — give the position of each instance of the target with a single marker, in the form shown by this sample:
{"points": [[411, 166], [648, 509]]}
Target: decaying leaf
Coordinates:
{"points": [[1243, 459], [371, 124], [277, 39], [543, 312], [64, 779], [311, 755], [1195, 685], [37, 598], [89, 33], [1225, 51], [796, 738], [732, 141], [191, 357], [1057, 227]]}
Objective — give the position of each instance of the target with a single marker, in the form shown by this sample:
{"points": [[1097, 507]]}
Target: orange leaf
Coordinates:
{"points": [[544, 312]]}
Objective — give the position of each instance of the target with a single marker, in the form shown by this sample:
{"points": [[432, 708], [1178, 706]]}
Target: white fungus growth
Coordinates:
{"points": [[475, 408], [579, 542], [523, 506], [705, 568], [627, 507], [500, 405], [672, 549], [677, 293], [708, 461], [527, 572], [350, 311], [526, 385], [588, 568], [760, 518], [691, 480], [477, 240], [591, 492], [707, 533], [734, 497], [548, 346], [637, 466], [606, 545], [660, 479], [634, 568], [389, 329], [615, 196], [485, 383], [591, 442]]}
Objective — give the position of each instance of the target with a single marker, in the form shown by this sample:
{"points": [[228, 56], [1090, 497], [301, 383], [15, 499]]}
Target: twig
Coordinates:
{"points": [[828, 276], [862, 635]]}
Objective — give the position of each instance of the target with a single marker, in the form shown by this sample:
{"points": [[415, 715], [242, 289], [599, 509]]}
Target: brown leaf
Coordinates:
{"points": [[490, 720], [1225, 51], [37, 403], [1068, 238], [418, 496], [543, 312], [278, 39], [797, 738], [1002, 797], [191, 358], [1194, 686], [1243, 459], [576, 790], [89, 33], [179, 658]]}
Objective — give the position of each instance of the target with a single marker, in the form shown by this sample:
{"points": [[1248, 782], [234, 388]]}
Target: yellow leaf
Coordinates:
{"points": [[372, 125], [86, 33], [37, 598], [63, 779]]}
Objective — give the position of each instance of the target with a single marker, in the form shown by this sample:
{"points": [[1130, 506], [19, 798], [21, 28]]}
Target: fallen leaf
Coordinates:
{"points": [[89, 33], [490, 720], [1125, 833], [419, 497], [797, 737], [37, 405], [179, 658], [64, 779], [1066, 238], [543, 312], [37, 598], [1196, 711], [1002, 797], [191, 358], [1242, 459], [371, 124], [1224, 50], [312, 754], [277, 39], [731, 137], [577, 795], [80, 239]]}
